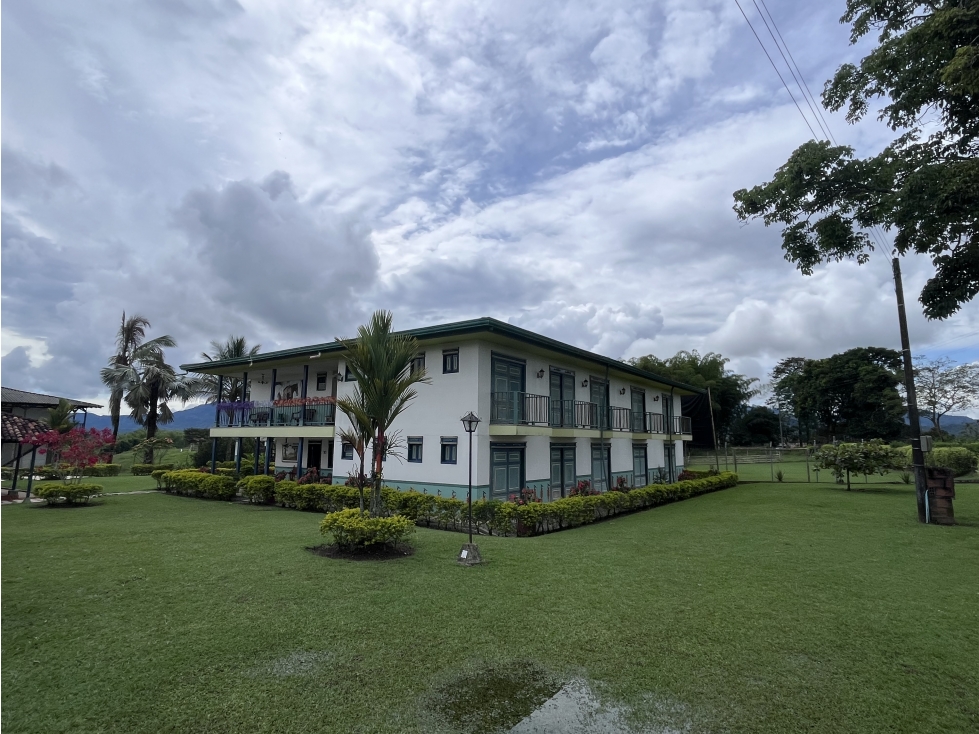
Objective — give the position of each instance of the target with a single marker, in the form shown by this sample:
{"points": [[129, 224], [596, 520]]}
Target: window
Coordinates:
{"points": [[348, 376], [450, 449], [418, 363], [415, 449], [346, 451], [450, 361], [321, 381]]}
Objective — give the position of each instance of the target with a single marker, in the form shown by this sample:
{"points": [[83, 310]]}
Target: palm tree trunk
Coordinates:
{"points": [[151, 417], [378, 459], [361, 478]]}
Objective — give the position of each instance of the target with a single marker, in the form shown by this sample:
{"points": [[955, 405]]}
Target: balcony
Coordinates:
{"points": [[526, 409], [270, 413]]}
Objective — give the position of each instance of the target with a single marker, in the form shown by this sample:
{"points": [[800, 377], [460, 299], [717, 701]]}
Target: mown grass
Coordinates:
{"points": [[764, 608]]}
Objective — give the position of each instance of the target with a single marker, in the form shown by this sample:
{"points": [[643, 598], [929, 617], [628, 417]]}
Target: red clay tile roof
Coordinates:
{"points": [[17, 428]]}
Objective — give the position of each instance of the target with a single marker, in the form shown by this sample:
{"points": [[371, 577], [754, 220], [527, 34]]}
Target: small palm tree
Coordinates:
{"points": [[380, 360], [233, 388], [60, 418], [359, 434]]}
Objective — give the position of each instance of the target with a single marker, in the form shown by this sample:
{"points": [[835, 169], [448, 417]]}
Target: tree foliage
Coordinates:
{"points": [[850, 394], [943, 386], [868, 457], [925, 184], [232, 388], [75, 450], [380, 360], [730, 391], [149, 385], [757, 425]]}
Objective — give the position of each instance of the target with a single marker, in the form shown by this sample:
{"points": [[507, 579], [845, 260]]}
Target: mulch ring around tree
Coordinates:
{"points": [[379, 552]]}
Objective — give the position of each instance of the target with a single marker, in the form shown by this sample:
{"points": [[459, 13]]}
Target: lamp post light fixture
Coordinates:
{"points": [[469, 555]]}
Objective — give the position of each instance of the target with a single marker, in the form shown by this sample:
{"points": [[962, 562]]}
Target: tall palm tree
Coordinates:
{"points": [[380, 360], [149, 384], [132, 332], [234, 348], [359, 434]]}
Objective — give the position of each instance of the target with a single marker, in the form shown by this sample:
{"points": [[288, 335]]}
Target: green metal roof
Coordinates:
{"points": [[441, 331]]}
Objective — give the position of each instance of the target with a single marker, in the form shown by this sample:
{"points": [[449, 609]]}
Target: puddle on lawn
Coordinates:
{"points": [[524, 698], [493, 698], [301, 662]]}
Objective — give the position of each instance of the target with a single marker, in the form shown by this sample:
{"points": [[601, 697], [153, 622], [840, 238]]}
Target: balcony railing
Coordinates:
{"points": [[520, 408], [295, 412]]}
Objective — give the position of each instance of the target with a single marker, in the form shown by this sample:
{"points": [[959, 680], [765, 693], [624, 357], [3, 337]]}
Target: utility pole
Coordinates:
{"points": [[917, 457]]}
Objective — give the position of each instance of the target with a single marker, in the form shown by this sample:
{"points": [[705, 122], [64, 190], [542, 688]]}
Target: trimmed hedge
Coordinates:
{"points": [[536, 518], [352, 530], [68, 494], [260, 489], [102, 470], [143, 470], [959, 459], [198, 484]]}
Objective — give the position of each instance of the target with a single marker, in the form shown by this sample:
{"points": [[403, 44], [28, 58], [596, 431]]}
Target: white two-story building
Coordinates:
{"points": [[551, 414]]}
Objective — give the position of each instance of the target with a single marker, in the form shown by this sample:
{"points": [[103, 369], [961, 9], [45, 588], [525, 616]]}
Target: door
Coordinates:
{"points": [[667, 414], [669, 456], [601, 471], [599, 397], [507, 471], [508, 386], [562, 398], [638, 411], [314, 455], [640, 467], [562, 471]]}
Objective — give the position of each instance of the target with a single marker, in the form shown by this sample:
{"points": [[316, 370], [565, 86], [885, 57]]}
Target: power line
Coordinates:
{"points": [[772, 62], [792, 71], [817, 106]]}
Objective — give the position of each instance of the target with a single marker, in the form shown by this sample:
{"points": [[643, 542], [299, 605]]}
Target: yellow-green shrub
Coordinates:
{"points": [[352, 530], [260, 488], [68, 494], [143, 470], [957, 458], [199, 484]]}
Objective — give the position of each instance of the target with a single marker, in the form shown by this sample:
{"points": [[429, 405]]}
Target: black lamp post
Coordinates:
{"points": [[469, 555]]}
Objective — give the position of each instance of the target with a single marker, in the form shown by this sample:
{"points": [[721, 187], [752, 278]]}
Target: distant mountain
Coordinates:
{"points": [[200, 416], [953, 424]]}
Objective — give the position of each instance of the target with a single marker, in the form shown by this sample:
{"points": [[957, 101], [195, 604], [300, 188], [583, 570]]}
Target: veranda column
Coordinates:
{"points": [[13, 486], [268, 439], [299, 459], [257, 441], [214, 456], [30, 476], [238, 456], [269, 448]]}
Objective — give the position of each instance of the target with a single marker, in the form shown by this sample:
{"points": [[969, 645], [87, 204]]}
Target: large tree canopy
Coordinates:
{"points": [[730, 391], [924, 185], [852, 394]]}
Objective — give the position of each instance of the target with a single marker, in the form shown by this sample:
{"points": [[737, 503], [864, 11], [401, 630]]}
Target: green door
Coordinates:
{"points": [[507, 472], [638, 411], [667, 413], [640, 467], [600, 474], [599, 398], [562, 398], [508, 387], [562, 471], [669, 457]]}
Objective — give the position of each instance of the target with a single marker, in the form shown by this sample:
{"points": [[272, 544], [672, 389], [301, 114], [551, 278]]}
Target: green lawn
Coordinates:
{"points": [[764, 608]]}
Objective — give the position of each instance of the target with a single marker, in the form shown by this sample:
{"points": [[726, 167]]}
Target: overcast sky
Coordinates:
{"points": [[279, 170]]}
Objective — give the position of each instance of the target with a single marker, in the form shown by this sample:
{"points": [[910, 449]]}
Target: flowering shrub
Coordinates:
{"points": [[312, 476], [76, 450], [582, 489], [525, 496], [621, 485]]}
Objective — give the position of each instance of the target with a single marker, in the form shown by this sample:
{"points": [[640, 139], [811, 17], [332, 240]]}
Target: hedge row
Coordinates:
{"points": [[959, 459], [352, 530], [489, 516], [193, 483], [142, 470], [59, 471], [68, 494]]}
